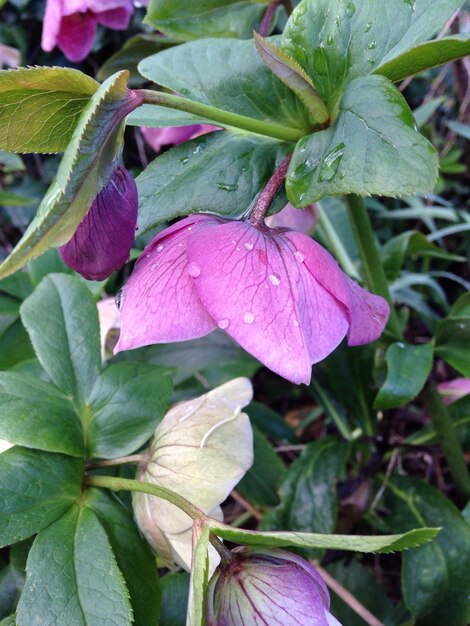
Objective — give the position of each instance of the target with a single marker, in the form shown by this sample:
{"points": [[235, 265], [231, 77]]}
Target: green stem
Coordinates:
{"points": [[448, 440], [334, 242], [371, 261], [126, 484], [219, 116], [133, 459]]}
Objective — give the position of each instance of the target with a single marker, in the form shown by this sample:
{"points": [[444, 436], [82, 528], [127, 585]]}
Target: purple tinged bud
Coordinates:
{"points": [[103, 240], [262, 586]]}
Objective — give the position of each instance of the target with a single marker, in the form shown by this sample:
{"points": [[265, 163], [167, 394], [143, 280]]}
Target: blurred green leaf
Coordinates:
{"points": [[435, 576], [36, 488], [13, 199], [408, 369], [72, 576], [36, 415], [133, 556], [62, 320], [219, 173], [40, 107], [175, 589], [124, 408], [453, 336], [460, 129]]}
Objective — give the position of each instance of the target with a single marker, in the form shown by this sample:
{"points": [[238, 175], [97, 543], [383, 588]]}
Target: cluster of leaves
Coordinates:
{"points": [[363, 414]]}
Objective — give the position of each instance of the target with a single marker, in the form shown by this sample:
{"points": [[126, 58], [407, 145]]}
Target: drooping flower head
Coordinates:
{"points": [[174, 135], [267, 586], [277, 292], [102, 242], [71, 24]]}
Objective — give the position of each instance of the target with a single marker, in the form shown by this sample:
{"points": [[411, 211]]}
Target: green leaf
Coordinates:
{"points": [[425, 56], [453, 336], [434, 577], [40, 107], [218, 173], [155, 116], [226, 74], [337, 41], [36, 415], [461, 129], [15, 346], [86, 166], [175, 589], [355, 543], [260, 483], [9, 621], [308, 492], [372, 148], [72, 576], [199, 576], [411, 243], [62, 320], [125, 406], [205, 18], [133, 555], [408, 369], [36, 488], [12, 199], [293, 76]]}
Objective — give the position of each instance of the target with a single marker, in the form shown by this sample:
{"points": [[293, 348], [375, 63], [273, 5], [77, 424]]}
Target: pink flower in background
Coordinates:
{"points": [[303, 220], [173, 135], [277, 292], [453, 390], [71, 24]]}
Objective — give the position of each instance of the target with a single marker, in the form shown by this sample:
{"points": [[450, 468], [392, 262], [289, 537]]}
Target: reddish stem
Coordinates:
{"points": [[267, 195], [265, 26]]}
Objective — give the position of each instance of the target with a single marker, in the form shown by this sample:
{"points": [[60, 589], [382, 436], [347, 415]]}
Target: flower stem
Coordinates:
{"points": [[220, 116], [448, 440], [334, 242], [225, 554], [126, 484], [265, 26], [265, 198], [133, 458], [372, 263]]}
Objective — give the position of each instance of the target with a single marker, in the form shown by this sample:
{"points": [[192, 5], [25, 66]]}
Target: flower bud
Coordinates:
{"points": [[267, 586], [103, 240]]}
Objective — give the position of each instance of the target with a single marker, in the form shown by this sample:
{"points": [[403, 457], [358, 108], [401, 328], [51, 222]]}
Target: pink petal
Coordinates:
{"points": [[367, 313], [160, 303], [453, 390], [76, 36], [258, 290], [118, 18], [302, 220], [51, 24], [173, 135]]}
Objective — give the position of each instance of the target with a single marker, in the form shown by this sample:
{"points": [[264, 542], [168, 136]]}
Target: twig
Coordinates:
{"points": [[388, 473], [133, 458], [246, 505], [347, 597]]}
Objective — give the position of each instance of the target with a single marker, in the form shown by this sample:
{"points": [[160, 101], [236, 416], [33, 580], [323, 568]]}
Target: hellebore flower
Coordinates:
{"points": [[453, 390], [102, 241], [267, 586], [277, 292], [173, 135], [200, 450], [302, 220], [71, 24]]}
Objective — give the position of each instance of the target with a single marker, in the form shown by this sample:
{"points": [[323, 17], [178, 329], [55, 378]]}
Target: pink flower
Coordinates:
{"points": [[277, 292], [71, 24], [158, 137], [303, 220], [453, 390]]}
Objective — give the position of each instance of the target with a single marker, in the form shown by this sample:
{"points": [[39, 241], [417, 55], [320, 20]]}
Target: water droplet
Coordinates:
{"points": [[248, 246], [249, 318], [296, 323], [184, 160], [190, 228], [410, 3], [401, 345], [368, 27], [154, 266], [461, 326], [227, 186], [331, 162], [194, 270], [119, 299], [371, 60], [350, 9], [305, 169], [160, 247], [372, 45], [223, 324], [299, 256], [330, 40], [274, 279]]}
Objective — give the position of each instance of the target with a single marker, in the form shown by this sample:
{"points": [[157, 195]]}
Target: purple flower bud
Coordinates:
{"points": [[103, 240], [261, 586]]}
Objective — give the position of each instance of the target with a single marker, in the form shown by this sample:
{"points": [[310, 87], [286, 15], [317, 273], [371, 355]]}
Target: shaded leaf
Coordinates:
{"points": [[453, 336], [175, 590]]}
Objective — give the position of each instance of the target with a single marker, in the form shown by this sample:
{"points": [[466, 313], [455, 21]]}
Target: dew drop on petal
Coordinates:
{"points": [[223, 324], [296, 323], [194, 270], [248, 246], [154, 266], [299, 256], [249, 318], [274, 279], [160, 247]]}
